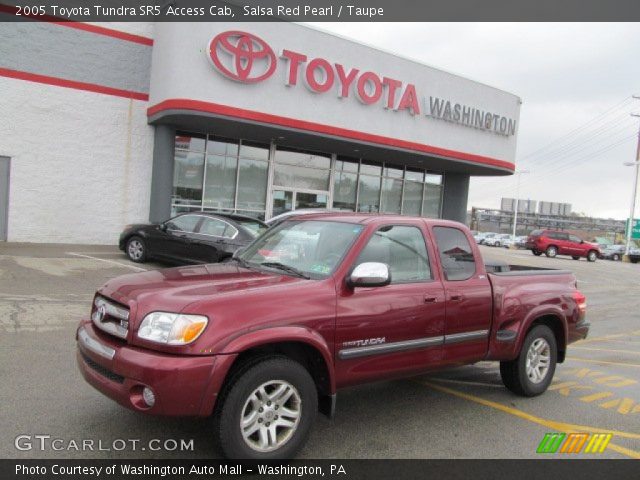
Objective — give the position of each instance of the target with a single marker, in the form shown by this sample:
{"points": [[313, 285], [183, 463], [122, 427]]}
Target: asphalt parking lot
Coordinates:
{"points": [[458, 413]]}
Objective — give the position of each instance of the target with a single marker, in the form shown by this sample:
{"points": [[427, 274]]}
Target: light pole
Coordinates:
{"points": [[515, 214], [632, 211]]}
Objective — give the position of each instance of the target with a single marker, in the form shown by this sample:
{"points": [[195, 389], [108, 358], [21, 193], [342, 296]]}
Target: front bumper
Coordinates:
{"points": [[182, 384]]}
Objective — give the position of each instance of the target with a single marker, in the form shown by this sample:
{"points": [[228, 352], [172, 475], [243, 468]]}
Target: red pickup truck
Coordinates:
{"points": [[316, 304]]}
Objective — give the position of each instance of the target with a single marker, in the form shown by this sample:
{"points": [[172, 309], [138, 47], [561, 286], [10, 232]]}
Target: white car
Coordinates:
{"points": [[497, 240]]}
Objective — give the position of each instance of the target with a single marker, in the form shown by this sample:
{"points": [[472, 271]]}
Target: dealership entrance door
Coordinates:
{"points": [[4, 197], [285, 200]]}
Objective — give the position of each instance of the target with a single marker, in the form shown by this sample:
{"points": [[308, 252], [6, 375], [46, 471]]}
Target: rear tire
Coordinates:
{"points": [[136, 249], [592, 256], [251, 397], [531, 373], [616, 257], [551, 251], [537, 253]]}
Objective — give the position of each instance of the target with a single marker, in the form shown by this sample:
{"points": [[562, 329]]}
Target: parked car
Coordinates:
{"points": [[613, 252], [552, 243], [483, 237], [520, 242], [497, 240], [634, 255], [265, 341], [197, 237], [273, 221]]}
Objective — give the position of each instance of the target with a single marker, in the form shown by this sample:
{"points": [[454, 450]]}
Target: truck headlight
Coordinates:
{"points": [[172, 328]]}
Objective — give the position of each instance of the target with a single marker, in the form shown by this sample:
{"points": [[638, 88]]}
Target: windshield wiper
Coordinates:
{"points": [[286, 268], [242, 262]]}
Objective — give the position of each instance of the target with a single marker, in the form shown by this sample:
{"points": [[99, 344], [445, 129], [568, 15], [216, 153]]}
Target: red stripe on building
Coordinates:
{"points": [[61, 82], [227, 111], [86, 27]]}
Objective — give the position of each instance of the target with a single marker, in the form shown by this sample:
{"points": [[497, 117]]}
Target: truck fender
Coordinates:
{"points": [[509, 350], [258, 338]]}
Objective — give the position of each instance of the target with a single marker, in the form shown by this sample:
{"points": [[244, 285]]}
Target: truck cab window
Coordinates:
{"points": [[403, 249], [456, 253]]}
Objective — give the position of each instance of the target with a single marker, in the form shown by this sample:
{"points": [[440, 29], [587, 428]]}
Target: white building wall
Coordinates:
{"points": [[80, 163]]}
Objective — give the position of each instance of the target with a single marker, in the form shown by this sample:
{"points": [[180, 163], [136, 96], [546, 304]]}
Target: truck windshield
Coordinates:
{"points": [[306, 248]]}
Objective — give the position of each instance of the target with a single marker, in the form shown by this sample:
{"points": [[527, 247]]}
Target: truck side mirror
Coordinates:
{"points": [[370, 274]]}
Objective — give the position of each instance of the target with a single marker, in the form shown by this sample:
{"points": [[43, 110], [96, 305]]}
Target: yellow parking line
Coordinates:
{"points": [[550, 424], [588, 360], [607, 350], [628, 342], [607, 337]]}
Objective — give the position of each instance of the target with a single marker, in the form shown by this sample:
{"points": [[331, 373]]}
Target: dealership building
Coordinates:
{"points": [[103, 125]]}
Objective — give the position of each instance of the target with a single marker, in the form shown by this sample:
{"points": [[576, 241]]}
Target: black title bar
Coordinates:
{"points": [[321, 10]]}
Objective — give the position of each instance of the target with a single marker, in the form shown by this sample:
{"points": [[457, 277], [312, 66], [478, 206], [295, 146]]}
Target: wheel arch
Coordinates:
{"points": [[297, 343], [558, 327]]}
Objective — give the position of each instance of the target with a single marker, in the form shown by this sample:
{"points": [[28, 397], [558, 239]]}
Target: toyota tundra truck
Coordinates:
{"points": [[316, 304]]}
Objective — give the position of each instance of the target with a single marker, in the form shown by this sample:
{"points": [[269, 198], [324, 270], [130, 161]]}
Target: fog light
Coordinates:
{"points": [[148, 396]]}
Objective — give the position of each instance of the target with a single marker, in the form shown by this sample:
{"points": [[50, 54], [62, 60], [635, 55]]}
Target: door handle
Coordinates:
{"points": [[456, 297], [429, 299]]}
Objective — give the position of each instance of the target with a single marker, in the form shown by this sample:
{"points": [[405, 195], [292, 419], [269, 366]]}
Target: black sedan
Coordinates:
{"points": [[196, 237]]}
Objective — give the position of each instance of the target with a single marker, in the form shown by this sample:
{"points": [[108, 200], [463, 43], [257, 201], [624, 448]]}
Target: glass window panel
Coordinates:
{"points": [[183, 223], [190, 141], [370, 168], [346, 164], [403, 249], [433, 178], [300, 177], [311, 200], [213, 226], [176, 209], [412, 201], [394, 172], [282, 202], [252, 184], [456, 254], [415, 175], [345, 186], [187, 178], [391, 195], [369, 196], [220, 187], [254, 150], [222, 146], [431, 203], [303, 159]]}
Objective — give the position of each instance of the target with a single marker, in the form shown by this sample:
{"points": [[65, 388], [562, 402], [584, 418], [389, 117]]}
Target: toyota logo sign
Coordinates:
{"points": [[242, 56]]}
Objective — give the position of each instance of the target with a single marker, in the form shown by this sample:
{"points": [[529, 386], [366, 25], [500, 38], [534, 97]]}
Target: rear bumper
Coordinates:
{"points": [[182, 385]]}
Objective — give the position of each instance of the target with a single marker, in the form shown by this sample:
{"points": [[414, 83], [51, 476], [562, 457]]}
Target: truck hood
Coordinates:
{"points": [[173, 289]]}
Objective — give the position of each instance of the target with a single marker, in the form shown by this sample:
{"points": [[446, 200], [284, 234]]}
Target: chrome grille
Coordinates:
{"points": [[110, 317]]}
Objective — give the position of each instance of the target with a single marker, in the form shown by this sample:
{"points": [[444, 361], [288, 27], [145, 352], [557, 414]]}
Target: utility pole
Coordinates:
{"points": [[632, 211], [515, 214]]}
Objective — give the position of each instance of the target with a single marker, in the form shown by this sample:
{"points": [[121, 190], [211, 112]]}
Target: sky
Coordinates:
{"points": [[576, 82]]}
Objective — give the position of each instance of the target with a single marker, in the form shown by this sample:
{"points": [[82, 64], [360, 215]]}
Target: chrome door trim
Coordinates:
{"points": [[466, 336], [357, 352]]}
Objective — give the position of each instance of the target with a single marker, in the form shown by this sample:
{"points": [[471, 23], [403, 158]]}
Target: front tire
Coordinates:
{"points": [[592, 256], [267, 411], [531, 373], [136, 249], [551, 251], [616, 257], [576, 257]]}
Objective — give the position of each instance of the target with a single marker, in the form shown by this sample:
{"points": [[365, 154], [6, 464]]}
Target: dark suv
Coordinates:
{"points": [[552, 243]]}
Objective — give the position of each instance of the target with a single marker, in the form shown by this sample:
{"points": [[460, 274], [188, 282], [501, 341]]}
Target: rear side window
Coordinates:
{"points": [[455, 252], [536, 233]]}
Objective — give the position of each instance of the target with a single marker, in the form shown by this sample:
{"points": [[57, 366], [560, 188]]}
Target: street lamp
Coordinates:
{"points": [[633, 199], [515, 215]]}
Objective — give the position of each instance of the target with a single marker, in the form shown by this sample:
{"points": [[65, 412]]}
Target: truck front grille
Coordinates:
{"points": [[110, 317]]}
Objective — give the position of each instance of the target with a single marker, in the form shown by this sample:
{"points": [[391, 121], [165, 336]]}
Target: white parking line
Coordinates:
{"points": [[113, 262]]}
